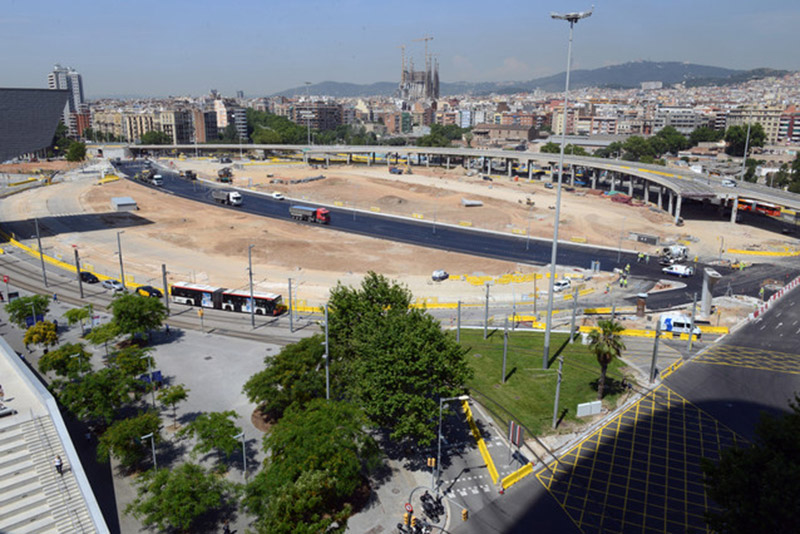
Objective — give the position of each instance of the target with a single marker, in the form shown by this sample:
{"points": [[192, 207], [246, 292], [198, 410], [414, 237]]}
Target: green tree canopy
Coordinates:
{"points": [[79, 315], [132, 361], [214, 431], [122, 440], [635, 147], [324, 441], [736, 137], [135, 314], [176, 498], [756, 485], [397, 361], [155, 137], [69, 360], [97, 395], [42, 333], [704, 134], [550, 148], [613, 150], [606, 344], [22, 307], [673, 139], [171, 396], [76, 151], [293, 376]]}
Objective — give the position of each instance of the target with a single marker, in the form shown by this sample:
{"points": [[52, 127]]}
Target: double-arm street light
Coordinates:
{"points": [[244, 453], [435, 482], [152, 439], [572, 18]]}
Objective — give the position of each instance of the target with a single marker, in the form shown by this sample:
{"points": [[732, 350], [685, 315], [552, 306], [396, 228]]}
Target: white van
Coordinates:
{"points": [[157, 179], [677, 324]]}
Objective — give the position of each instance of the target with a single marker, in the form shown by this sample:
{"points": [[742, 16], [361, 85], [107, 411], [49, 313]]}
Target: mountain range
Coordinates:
{"points": [[625, 75]]}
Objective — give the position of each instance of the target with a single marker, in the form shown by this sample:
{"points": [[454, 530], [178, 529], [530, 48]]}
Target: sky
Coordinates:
{"points": [[181, 47]]}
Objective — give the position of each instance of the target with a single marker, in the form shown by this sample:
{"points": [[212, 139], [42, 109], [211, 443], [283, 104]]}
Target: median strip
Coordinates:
{"points": [[481, 444]]}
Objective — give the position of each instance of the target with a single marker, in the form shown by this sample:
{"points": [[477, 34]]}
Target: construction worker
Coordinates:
{"points": [[625, 282], [761, 293], [647, 259], [628, 268]]}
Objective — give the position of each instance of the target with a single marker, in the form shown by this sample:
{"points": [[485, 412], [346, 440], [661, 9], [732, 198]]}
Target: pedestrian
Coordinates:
{"points": [[226, 527], [628, 268], [55, 297], [625, 283], [55, 325], [647, 259], [166, 328], [2, 395], [59, 465], [620, 281]]}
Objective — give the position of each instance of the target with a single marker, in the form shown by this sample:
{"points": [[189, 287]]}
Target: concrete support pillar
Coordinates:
{"points": [[594, 179], [660, 192], [509, 165], [613, 180], [734, 208], [327, 160], [630, 186], [448, 163], [710, 279], [530, 171], [427, 160], [349, 158], [669, 202], [572, 175], [370, 158], [678, 209]]}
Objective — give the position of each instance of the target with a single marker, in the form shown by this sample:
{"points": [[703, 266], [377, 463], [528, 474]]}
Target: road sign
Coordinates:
{"points": [[515, 433], [5, 278], [409, 508]]}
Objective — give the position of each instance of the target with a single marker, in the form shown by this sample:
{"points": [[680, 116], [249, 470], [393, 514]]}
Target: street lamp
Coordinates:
{"points": [[308, 114], [572, 18], [435, 482], [152, 446], [119, 251], [244, 454], [252, 299], [150, 370], [746, 146]]}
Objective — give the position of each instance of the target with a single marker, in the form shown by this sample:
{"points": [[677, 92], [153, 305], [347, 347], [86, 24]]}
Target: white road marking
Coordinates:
{"points": [[795, 323], [779, 325], [474, 490], [762, 327]]}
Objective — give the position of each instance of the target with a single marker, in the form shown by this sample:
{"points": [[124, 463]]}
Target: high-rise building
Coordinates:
{"points": [[69, 79]]}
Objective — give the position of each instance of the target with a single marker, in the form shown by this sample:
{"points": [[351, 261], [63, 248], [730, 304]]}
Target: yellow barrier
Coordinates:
{"points": [[762, 253], [481, 444], [375, 209], [338, 203], [23, 182], [464, 223], [602, 311], [707, 329], [108, 178], [578, 239], [518, 231], [417, 215], [516, 476]]}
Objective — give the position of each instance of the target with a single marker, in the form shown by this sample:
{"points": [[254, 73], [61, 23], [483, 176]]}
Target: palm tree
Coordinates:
{"points": [[606, 344]]}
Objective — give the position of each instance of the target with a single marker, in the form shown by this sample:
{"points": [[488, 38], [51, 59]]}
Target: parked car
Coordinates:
{"points": [[278, 196], [148, 291], [89, 278], [113, 285], [727, 182], [548, 185], [225, 160], [561, 285], [684, 271], [440, 275], [666, 261], [487, 178]]}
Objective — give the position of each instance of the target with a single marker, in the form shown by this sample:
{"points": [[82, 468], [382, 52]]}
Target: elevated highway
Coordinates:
{"points": [[670, 185]]}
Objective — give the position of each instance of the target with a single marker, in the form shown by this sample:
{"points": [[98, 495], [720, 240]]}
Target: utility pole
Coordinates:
{"points": [[458, 323], [558, 390], [41, 254], [505, 348], [746, 146], [486, 315], [574, 312], [655, 353], [250, 272], [78, 271], [166, 288], [291, 308], [327, 359], [121, 268], [691, 327]]}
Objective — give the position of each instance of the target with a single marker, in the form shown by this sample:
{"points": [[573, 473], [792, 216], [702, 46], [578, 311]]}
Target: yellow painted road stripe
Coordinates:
{"points": [[481, 444]]}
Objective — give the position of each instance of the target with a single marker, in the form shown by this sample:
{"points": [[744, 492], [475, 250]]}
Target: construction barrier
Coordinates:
{"points": [[762, 308], [108, 178], [23, 182], [516, 476], [481, 444], [607, 311], [772, 253]]}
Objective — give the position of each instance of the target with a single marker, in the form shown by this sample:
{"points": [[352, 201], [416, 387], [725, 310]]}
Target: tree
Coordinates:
{"points": [[613, 150], [134, 314], [673, 139], [756, 485], [155, 137], [171, 396], [132, 361], [123, 439], [704, 134], [293, 376], [229, 134], [606, 343], [42, 333], [176, 498], [635, 147], [397, 361], [22, 307], [213, 430], [550, 148], [103, 334], [323, 445], [736, 138], [68, 360], [76, 151], [79, 315], [97, 396]]}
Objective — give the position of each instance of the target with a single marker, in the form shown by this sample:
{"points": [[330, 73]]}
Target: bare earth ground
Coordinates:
{"points": [[32, 167], [209, 244]]}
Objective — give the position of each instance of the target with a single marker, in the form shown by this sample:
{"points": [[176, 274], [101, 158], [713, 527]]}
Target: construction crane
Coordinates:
{"points": [[425, 39], [403, 63]]}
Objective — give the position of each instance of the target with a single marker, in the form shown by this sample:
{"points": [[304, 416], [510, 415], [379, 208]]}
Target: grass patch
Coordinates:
{"points": [[529, 391]]}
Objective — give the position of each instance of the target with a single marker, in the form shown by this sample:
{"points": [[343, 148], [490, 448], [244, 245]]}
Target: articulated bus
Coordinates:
{"points": [[760, 207], [220, 298]]}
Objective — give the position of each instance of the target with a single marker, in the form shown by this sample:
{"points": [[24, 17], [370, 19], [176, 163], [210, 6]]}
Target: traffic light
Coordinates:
{"points": [[464, 514], [406, 519], [431, 462], [414, 521]]}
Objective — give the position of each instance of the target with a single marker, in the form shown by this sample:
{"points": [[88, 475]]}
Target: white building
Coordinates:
{"points": [[69, 79]]}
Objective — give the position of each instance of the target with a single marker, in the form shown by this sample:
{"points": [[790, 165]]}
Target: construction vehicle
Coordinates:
{"points": [[309, 214], [395, 170], [146, 175], [225, 196], [189, 175], [225, 175]]}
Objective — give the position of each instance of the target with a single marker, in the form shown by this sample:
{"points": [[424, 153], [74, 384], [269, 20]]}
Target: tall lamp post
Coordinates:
{"points": [[252, 299], [435, 483], [572, 18], [244, 453], [746, 146], [119, 251], [308, 114], [152, 439]]}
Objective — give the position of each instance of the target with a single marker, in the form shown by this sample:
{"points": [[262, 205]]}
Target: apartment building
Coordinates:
{"points": [[177, 124], [683, 119], [769, 117], [319, 115], [789, 126]]}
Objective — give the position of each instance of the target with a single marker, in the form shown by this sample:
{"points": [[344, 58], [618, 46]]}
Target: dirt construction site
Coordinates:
{"points": [[208, 244]]}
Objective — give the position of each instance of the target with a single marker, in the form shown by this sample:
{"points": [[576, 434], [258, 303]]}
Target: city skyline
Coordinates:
{"points": [[189, 48]]}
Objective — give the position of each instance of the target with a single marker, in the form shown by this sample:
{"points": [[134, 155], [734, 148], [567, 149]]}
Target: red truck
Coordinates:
{"points": [[306, 213]]}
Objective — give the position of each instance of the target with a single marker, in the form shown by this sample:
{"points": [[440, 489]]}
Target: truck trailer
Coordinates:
{"points": [[309, 214], [225, 175], [224, 196]]}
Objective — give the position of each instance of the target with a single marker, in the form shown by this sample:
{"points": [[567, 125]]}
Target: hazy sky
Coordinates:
{"points": [[178, 47]]}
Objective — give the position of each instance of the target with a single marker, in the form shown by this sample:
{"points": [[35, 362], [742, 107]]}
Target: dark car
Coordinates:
{"points": [[148, 291], [89, 278]]}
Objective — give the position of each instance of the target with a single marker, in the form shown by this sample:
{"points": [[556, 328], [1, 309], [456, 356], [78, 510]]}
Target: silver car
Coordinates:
{"points": [[113, 285]]}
